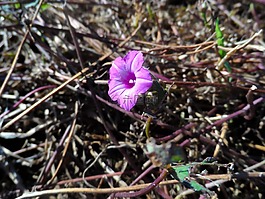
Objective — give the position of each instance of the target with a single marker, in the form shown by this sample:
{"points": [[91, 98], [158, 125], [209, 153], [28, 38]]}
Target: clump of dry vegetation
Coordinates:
{"points": [[62, 136]]}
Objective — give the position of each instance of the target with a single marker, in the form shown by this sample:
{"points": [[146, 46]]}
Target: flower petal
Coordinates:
{"points": [[134, 61], [119, 63], [128, 99], [141, 86], [143, 74], [143, 81], [116, 68], [116, 88], [137, 62]]}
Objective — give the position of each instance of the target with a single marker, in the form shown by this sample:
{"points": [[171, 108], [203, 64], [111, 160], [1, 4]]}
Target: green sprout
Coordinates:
{"points": [[220, 42]]}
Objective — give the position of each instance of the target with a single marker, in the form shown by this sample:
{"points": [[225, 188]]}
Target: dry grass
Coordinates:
{"points": [[60, 130]]}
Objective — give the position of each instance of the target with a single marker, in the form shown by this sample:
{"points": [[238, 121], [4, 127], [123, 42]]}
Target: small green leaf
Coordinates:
{"points": [[204, 7], [45, 6], [228, 66], [218, 32], [220, 42], [182, 172], [17, 6], [150, 12], [220, 38], [177, 154], [198, 187]]}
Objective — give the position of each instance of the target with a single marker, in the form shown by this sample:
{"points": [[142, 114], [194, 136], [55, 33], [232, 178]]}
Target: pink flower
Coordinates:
{"points": [[128, 79]]}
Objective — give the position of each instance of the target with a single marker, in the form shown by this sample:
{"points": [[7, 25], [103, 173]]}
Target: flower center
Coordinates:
{"points": [[130, 81]]}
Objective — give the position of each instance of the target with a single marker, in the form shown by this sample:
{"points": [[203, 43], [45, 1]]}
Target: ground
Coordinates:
{"points": [[63, 134]]}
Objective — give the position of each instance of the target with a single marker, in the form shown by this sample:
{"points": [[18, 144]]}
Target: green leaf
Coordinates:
{"points": [[198, 187], [182, 172], [150, 12], [220, 42], [17, 6], [45, 6], [177, 154], [218, 32], [204, 7], [220, 38], [228, 66]]}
